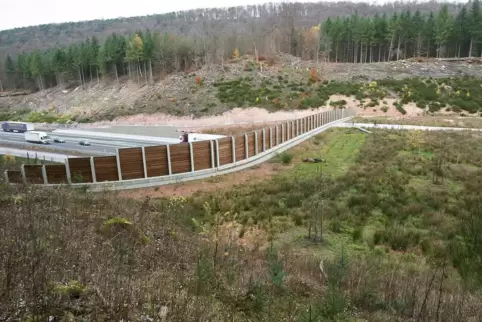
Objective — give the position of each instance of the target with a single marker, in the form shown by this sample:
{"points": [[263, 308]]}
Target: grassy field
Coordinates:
{"points": [[445, 121], [386, 229]]}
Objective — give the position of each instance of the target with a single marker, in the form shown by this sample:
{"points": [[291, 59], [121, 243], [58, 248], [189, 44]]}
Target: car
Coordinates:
{"points": [[58, 140], [84, 143]]}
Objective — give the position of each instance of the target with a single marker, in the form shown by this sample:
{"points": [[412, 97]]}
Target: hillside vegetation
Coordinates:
{"points": [[152, 72], [285, 84], [387, 229], [145, 55]]}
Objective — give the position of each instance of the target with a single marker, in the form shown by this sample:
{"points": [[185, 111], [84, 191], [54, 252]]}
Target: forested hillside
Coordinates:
{"points": [[146, 48]]}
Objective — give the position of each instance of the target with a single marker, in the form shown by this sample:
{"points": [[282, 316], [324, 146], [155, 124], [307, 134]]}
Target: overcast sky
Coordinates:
{"points": [[22, 13]]}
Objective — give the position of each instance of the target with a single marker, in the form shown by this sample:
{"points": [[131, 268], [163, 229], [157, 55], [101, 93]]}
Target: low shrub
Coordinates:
{"points": [[286, 157], [399, 107]]}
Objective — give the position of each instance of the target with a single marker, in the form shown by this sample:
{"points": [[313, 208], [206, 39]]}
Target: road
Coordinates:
{"points": [[99, 146]]}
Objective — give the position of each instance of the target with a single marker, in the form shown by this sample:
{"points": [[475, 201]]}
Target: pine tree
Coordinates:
{"points": [[11, 72], [475, 27], [443, 30]]}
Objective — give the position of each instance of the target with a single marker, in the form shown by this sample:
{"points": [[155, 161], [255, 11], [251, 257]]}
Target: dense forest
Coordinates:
{"points": [[146, 54]]}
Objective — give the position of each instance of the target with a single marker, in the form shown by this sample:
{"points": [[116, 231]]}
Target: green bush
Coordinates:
{"points": [[399, 107], [286, 157], [398, 238], [357, 234]]}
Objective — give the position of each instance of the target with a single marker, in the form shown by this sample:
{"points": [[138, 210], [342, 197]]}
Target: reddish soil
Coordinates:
{"points": [[253, 175]]}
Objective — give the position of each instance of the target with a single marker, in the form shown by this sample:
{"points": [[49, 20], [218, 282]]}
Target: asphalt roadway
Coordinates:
{"points": [[99, 146]]}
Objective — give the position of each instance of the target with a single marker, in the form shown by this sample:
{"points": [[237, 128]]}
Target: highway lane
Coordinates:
{"points": [[98, 146], [48, 156]]}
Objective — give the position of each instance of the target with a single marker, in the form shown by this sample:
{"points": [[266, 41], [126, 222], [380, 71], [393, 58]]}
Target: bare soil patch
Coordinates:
{"points": [[249, 176]]}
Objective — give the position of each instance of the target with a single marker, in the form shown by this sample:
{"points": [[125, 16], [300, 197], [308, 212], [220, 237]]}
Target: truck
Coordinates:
{"points": [[193, 137], [20, 127], [37, 137]]}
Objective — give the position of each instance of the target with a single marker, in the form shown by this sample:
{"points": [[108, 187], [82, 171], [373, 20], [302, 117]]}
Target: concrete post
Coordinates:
{"points": [[191, 154], [217, 153], [277, 138], [22, 171], [211, 148], [44, 175], [168, 156], [256, 143], [293, 134], [144, 162], [67, 171], [264, 140], [119, 170], [233, 147], [270, 137], [282, 132], [5, 174], [246, 150], [92, 167], [288, 131]]}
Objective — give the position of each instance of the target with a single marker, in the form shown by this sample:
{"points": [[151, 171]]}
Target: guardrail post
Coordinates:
{"points": [[293, 134], [246, 150], [270, 137], [44, 174], [119, 170], [168, 156], [264, 140], [282, 132], [22, 171], [277, 139], [67, 171], [144, 162], [302, 125], [217, 153], [191, 154], [233, 148], [313, 122], [5, 174], [211, 148], [288, 131], [256, 143], [92, 168]]}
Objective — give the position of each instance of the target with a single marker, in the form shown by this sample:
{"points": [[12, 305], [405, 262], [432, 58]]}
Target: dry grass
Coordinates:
{"points": [[73, 255]]}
